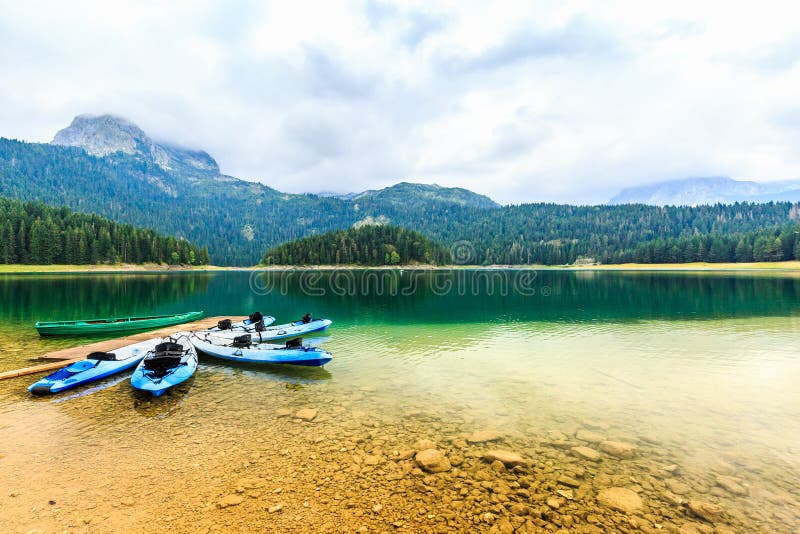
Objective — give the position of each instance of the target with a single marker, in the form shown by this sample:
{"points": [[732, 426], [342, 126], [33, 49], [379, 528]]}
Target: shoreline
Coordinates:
{"points": [[156, 268]]}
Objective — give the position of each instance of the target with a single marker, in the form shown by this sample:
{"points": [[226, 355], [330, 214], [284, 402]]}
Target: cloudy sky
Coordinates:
{"points": [[523, 101]]}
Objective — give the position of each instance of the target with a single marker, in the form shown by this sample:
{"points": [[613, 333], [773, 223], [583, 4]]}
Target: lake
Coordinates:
{"points": [[630, 401]]}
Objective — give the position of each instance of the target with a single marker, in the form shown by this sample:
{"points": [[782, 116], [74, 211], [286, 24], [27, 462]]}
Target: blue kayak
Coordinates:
{"points": [[284, 331], [244, 349], [96, 366], [172, 361]]}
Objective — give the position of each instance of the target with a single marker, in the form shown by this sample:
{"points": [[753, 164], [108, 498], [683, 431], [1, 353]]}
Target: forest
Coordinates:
{"points": [[371, 245], [33, 233], [238, 221]]}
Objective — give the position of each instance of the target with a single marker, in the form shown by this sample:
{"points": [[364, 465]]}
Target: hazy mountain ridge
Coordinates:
{"points": [[708, 190]]}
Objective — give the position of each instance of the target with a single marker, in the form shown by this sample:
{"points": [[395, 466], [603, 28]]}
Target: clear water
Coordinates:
{"points": [[696, 370]]}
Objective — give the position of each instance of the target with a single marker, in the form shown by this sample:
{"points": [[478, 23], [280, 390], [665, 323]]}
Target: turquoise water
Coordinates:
{"points": [[696, 369]]}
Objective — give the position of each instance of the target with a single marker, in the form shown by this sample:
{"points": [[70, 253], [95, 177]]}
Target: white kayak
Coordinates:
{"points": [[245, 349], [96, 366], [248, 325], [279, 332], [172, 361]]}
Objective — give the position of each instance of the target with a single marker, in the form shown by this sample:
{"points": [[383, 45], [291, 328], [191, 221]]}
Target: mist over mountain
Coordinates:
{"points": [[708, 190]]}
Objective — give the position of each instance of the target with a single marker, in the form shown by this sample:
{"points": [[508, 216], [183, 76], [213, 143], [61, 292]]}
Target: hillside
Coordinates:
{"points": [[371, 245], [32, 233]]}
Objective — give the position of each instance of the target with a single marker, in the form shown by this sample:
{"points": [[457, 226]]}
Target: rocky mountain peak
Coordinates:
{"points": [[102, 135]]}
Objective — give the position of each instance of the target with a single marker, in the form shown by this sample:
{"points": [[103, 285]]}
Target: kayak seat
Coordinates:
{"points": [[225, 324], [256, 317], [294, 343], [102, 356], [242, 341], [168, 348]]}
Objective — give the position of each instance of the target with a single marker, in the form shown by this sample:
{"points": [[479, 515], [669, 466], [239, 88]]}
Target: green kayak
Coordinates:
{"points": [[117, 324]]}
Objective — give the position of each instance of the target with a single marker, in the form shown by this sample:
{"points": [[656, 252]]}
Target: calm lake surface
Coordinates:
{"points": [[698, 371]]}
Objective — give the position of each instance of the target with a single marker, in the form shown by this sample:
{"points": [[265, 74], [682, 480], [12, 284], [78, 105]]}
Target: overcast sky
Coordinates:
{"points": [[525, 101]]}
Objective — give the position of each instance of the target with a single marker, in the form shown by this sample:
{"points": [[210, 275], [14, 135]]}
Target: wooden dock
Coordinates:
{"points": [[61, 358]]}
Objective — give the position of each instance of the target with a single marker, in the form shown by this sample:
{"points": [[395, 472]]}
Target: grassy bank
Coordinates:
{"points": [[150, 267], [105, 268]]}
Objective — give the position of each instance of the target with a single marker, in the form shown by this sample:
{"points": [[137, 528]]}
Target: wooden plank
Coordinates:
{"points": [[52, 366]]}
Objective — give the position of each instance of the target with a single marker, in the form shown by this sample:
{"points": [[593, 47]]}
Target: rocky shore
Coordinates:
{"points": [[328, 459]]}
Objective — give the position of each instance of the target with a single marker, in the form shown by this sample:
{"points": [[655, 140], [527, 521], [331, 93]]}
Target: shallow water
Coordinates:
{"points": [[697, 371]]}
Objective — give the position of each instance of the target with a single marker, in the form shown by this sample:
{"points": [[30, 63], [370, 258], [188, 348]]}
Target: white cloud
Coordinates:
{"points": [[545, 101]]}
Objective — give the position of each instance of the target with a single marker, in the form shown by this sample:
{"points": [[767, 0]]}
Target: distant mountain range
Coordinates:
{"points": [[109, 166], [710, 190]]}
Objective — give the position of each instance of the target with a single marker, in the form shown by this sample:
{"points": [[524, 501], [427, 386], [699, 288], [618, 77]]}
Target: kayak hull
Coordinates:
{"points": [[90, 370], [144, 380], [280, 332], [111, 325], [264, 353]]}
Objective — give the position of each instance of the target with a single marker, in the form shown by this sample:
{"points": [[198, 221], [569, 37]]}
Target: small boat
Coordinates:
{"points": [[244, 349], [116, 324], [96, 366], [251, 324], [172, 361], [300, 328]]}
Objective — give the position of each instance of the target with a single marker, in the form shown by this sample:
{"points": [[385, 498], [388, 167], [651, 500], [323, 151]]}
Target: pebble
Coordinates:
{"points": [[554, 503], [306, 414], [433, 461], [508, 458], [283, 412], [230, 500], [277, 508]]}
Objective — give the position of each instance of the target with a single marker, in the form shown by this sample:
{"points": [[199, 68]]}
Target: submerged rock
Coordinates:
{"points": [[620, 499], [306, 414], [589, 436], [423, 445], [568, 481], [433, 461], [482, 436], [620, 449], [508, 458], [706, 510], [730, 484], [587, 453]]}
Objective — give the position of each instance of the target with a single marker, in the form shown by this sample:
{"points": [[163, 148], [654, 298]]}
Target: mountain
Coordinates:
{"points": [[404, 192], [709, 190], [131, 179], [107, 165], [102, 135]]}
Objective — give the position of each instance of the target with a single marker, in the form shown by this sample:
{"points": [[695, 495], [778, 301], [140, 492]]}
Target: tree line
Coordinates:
{"points": [[33, 233], [370, 245]]}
